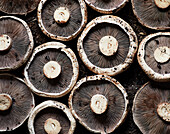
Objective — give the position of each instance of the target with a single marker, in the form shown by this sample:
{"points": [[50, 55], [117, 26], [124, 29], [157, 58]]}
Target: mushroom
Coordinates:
{"points": [[52, 71], [20, 7], [154, 54], [99, 103], [16, 43], [62, 19], [106, 6], [107, 45], [51, 117], [16, 102], [151, 108], [153, 14]]}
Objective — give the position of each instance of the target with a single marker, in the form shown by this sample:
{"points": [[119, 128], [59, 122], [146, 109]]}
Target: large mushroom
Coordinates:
{"points": [[154, 56], [106, 6], [153, 14], [62, 19], [151, 108], [20, 7], [99, 103], [51, 117], [16, 42], [107, 45], [52, 70], [16, 102]]}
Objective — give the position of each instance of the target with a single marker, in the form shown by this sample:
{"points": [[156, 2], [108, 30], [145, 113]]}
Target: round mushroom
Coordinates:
{"points": [[62, 19], [16, 102], [99, 103], [154, 54], [16, 43], [106, 6], [51, 117], [52, 71], [107, 45], [21, 7], [151, 108], [153, 14]]}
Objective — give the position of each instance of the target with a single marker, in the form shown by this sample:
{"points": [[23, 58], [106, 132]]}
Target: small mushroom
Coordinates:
{"points": [[52, 71], [99, 103], [151, 108], [62, 19], [106, 6], [107, 45], [16, 102], [16, 43], [153, 14], [154, 54], [51, 117], [20, 7]]}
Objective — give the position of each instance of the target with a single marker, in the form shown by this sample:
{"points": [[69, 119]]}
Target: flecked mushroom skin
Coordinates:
{"points": [[70, 54], [147, 69], [94, 78], [53, 104], [62, 38], [13, 52], [132, 48], [107, 11]]}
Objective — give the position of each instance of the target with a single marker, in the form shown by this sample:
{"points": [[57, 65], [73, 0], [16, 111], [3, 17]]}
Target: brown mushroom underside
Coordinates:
{"points": [[91, 45]]}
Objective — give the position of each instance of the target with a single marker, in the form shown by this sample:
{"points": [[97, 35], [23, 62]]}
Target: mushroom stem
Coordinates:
{"points": [[162, 54], [99, 104], [61, 15], [52, 69], [52, 126], [162, 3], [5, 42], [163, 111], [108, 45], [5, 102]]}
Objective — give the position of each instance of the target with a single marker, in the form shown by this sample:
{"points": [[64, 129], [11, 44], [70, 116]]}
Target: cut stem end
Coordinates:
{"points": [[163, 111], [5, 102], [5, 42]]}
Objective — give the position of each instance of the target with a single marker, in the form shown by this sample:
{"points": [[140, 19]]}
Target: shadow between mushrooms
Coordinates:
{"points": [[107, 45], [106, 6], [52, 70], [151, 108], [154, 54], [16, 102], [51, 117], [153, 14], [62, 19], [16, 43], [99, 103]]}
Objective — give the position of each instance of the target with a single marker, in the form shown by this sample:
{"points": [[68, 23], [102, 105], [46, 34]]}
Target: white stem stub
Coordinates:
{"points": [[108, 45], [5, 42], [162, 3], [52, 69], [61, 15], [162, 54], [163, 111], [5, 102], [52, 126], [99, 104]]}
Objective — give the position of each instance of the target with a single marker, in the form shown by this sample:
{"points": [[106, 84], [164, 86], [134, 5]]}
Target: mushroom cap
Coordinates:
{"points": [[80, 98], [150, 15], [106, 6], [155, 70], [145, 104], [20, 7], [51, 109], [21, 39], [60, 86], [70, 29], [88, 47], [22, 102]]}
